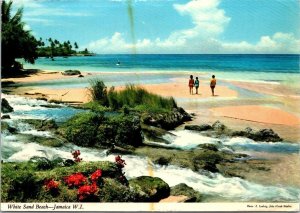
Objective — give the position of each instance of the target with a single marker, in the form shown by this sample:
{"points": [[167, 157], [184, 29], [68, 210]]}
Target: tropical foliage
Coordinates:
{"points": [[17, 42], [52, 47]]}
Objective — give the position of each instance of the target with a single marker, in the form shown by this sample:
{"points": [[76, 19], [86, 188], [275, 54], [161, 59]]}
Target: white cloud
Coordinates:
{"points": [[278, 43], [35, 8], [209, 23], [208, 19], [27, 3]]}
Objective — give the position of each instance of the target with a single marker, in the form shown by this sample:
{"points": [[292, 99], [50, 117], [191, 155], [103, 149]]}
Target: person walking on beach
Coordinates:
{"points": [[196, 85], [191, 84], [213, 83]]}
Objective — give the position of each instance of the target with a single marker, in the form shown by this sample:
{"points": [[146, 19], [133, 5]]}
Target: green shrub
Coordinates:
{"points": [[91, 129], [98, 91], [18, 182], [95, 107], [82, 128], [120, 130]]}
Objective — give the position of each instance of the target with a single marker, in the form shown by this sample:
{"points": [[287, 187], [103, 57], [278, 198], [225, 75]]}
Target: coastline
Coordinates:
{"points": [[248, 112], [227, 105]]}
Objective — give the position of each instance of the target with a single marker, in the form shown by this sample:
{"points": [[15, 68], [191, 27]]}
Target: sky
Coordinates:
{"points": [[168, 26]]}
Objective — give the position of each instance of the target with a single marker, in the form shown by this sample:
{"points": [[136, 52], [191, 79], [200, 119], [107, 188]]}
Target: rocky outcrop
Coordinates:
{"points": [[163, 161], [183, 189], [6, 128], [71, 72], [149, 189], [5, 117], [218, 126], [5, 107], [168, 120], [200, 128], [41, 125], [156, 134], [267, 135], [207, 160], [219, 129], [209, 146]]}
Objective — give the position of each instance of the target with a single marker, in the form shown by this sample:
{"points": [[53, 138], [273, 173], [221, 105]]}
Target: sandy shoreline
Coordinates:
{"points": [[210, 108]]}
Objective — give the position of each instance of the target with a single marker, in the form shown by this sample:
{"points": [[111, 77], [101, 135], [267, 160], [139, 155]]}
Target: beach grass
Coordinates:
{"points": [[133, 97]]}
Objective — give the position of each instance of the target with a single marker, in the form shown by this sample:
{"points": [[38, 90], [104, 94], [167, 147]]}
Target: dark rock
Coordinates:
{"points": [[249, 130], [42, 99], [202, 127], [209, 146], [5, 107], [120, 150], [68, 162], [5, 117], [156, 134], [207, 160], [42, 163], [149, 189], [168, 120], [267, 135], [80, 76], [6, 127], [183, 189], [71, 72], [218, 126], [162, 161], [51, 106]]}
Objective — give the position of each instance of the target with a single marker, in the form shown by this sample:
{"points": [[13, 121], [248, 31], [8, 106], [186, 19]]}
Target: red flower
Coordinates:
{"points": [[76, 180], [119, 161], [76, 156], [86, 191], [95, 176], [51, 185]]}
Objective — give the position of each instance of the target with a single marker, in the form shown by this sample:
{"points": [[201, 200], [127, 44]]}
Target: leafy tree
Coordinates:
{"points": [[16, 41], [76, 45]]}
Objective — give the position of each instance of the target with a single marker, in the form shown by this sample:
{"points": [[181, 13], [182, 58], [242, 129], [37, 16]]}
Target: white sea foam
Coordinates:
{"points": [[186, 139], [214, 184]]}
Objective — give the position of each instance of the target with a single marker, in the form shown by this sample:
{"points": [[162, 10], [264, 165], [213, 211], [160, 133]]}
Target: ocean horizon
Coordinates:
{"points": [[271, 68]]}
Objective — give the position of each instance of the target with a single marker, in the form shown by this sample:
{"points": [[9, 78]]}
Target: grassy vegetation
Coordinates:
{"points": [[132, 97], [24, 181]]}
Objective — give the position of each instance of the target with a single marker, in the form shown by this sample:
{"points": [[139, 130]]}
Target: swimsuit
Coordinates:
{"points": [[213, 83], [191, 83]]}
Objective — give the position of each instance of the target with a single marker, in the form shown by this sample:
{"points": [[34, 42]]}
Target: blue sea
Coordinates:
{"points": [[242, 67], [176, 62]]}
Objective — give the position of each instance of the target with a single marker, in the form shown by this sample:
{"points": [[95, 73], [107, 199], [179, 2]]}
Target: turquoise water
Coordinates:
{"points": [[271, 68]]}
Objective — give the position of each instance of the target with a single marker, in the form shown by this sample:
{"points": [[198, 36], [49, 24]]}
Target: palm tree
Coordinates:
{"points": [[76, 45], [16, 41]]}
